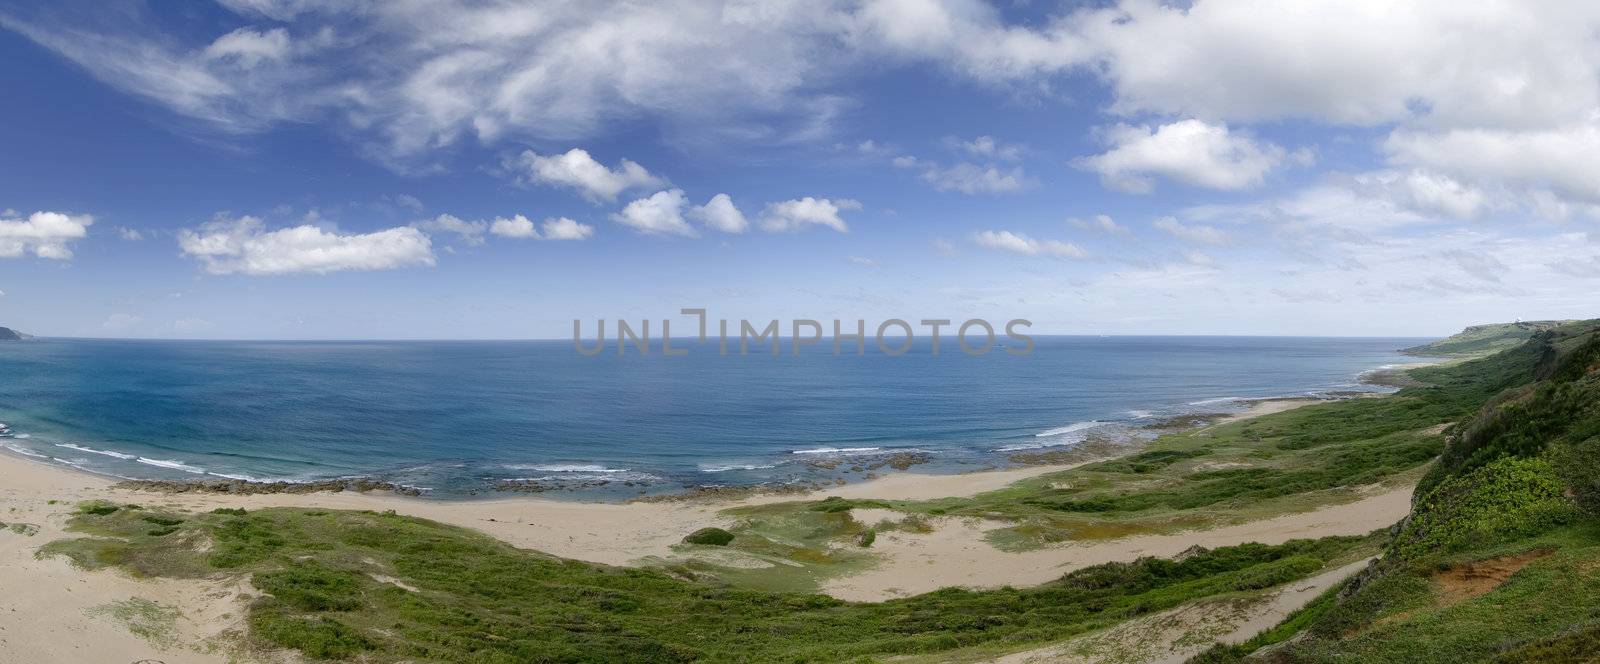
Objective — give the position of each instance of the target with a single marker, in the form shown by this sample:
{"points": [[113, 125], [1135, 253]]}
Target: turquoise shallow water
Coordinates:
{"points": [[457, 417]]}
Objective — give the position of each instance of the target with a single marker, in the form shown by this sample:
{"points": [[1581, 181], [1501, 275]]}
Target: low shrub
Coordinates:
{"points": [[709, 536]]}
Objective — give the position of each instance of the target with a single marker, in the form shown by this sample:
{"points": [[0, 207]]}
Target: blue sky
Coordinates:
{"points": [[278, 169]]}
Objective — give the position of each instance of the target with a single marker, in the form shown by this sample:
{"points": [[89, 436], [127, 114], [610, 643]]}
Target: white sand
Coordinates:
{"points": [[955, 553]]}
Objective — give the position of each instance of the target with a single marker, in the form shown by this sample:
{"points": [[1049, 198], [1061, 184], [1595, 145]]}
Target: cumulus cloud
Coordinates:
{"points": [[245, 246], [1564, 158], [1018, 243], [660, 213], [1189, 151], [577, 170], [719, 213], [43, 234], [1101, 223], [517, 226], [556, 228], [1365, 62], [563, 228], [1426, 192], [1192, 232], [797, 214]]}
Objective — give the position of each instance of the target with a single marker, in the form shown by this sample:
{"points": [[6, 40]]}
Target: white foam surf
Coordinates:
{"points": [[91, 450], [1075, 426], [723, 468], [170, 464]]}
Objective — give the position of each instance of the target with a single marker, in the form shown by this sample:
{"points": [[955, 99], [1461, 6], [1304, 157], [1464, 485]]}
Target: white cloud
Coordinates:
{"points": [[517, 226], [660, 213], [969, 178], [1192, 233], [1426, 192], [1188, 151], [1101, 223], [470, 232], [863, 261], [1017, 243], [1564, 158], [720, 213], [794, 215], [562, 228], [248, 48], [44, 234], [129, 234], [577, 170], [521, 227], [1363, 62], [244, 246]]}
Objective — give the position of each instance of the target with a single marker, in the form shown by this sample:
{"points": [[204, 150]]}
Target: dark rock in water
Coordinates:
{"points": [[8, 334], [245, 487]]}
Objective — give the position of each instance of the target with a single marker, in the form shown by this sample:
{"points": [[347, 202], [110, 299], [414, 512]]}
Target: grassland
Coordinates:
{"points": [[1479, 340], [388, 588]]}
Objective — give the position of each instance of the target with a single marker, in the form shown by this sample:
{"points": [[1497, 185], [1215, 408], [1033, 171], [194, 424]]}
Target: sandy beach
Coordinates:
{"points": [[48, 610]]}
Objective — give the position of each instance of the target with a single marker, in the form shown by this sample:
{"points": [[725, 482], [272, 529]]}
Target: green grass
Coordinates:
{"points": [[147, 619], [477, 599]]}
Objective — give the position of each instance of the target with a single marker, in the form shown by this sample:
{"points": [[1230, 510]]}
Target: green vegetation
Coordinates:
{"points": [[388, 588], [1479, 340], [145, 618], [709, 536], [1497, 560], [1507, 500]]}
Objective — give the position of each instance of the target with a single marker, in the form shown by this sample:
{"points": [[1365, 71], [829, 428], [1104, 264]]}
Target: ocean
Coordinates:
{"points": [[458, 419]]}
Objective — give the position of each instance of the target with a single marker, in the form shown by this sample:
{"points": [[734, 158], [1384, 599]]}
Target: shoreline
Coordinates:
{"points": [[1048, 459], [59, 613], [613, 533]]}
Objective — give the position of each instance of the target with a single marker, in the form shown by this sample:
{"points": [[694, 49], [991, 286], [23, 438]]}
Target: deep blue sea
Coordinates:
{"points": [[458, 417]]}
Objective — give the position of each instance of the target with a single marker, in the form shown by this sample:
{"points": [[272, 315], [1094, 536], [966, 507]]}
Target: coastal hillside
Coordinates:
{"points": [[1480, 340], [1496, 560], [8, 334]]}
